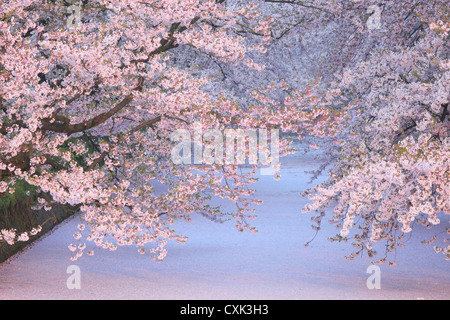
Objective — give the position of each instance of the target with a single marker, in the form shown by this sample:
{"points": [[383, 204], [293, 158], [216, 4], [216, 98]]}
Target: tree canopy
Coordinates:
{"points": [[91, 92]]}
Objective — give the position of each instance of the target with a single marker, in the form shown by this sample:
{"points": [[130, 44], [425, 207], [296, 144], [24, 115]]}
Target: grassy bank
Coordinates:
{"points": [[16, 213]]}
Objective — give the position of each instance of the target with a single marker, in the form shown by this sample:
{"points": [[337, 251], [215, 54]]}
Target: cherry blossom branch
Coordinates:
{"points": [[88, 124], [299, 3]]}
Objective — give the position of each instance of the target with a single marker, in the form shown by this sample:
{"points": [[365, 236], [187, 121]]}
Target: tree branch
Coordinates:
{"points": [[445, 112], [299, 3], [133, 130], [88, 124]]}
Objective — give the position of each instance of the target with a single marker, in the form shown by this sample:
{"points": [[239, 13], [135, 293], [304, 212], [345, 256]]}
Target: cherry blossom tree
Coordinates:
{"points": [[379, 114], [390, 152], [89, 99]]}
